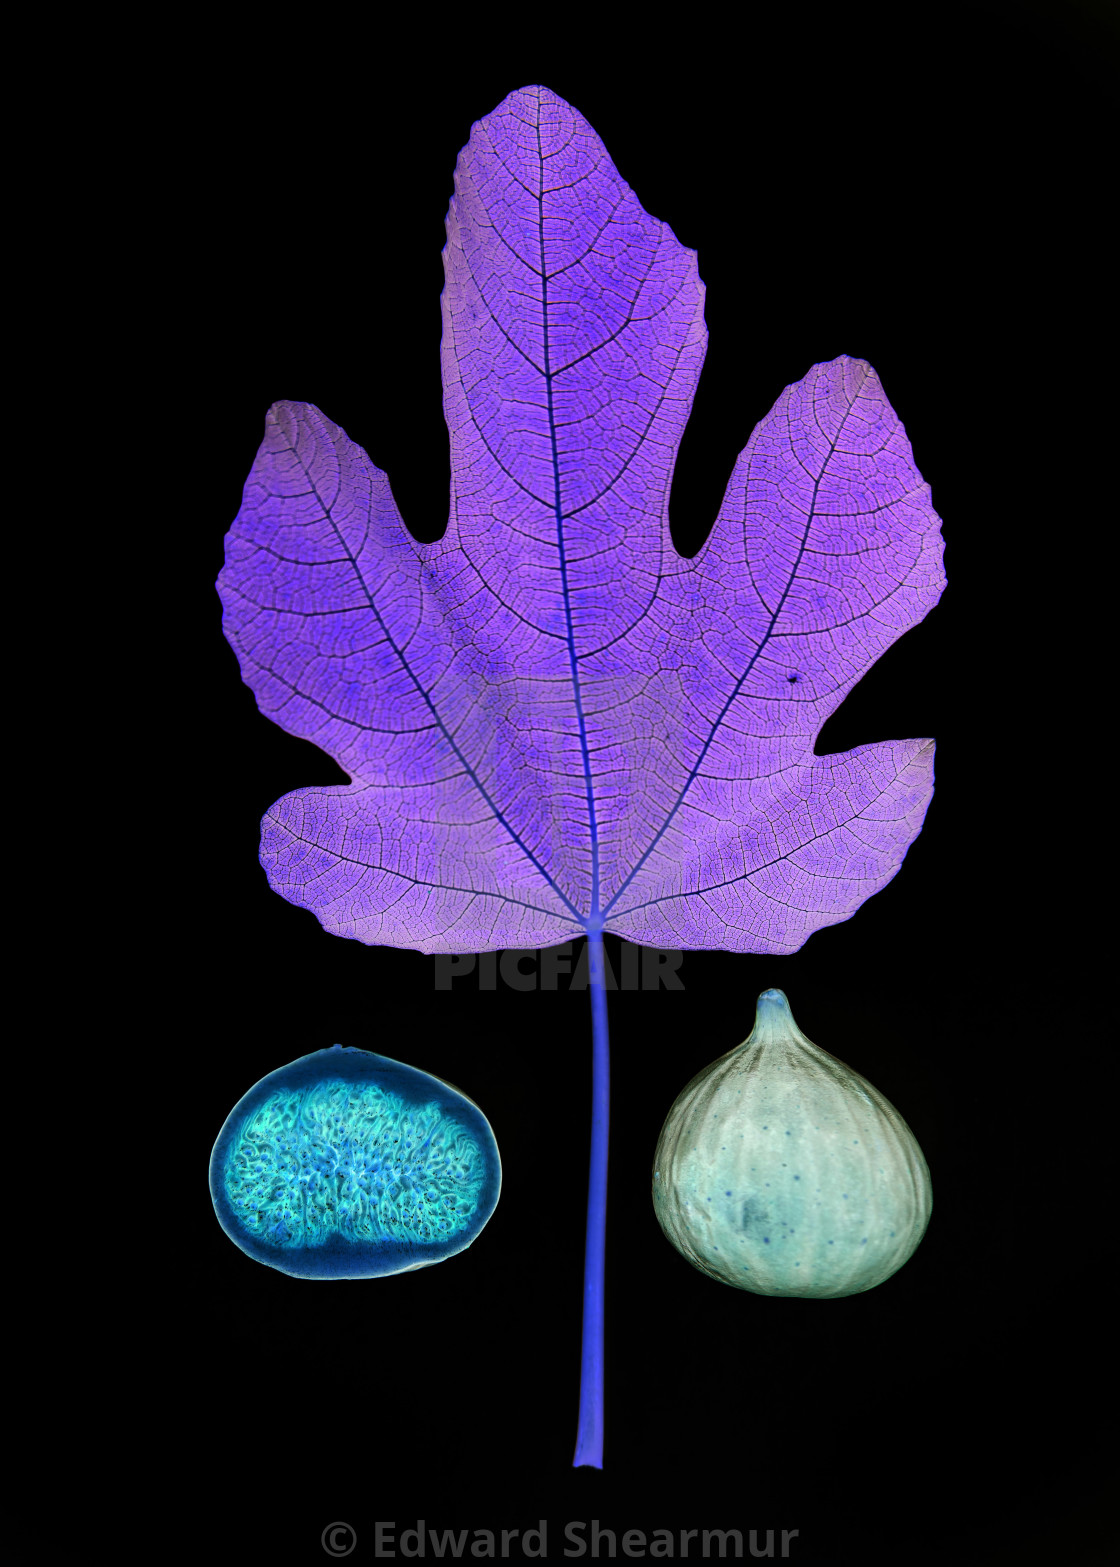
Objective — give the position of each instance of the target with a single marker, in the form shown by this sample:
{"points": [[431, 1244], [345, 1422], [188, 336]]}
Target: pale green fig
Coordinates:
{"points": [[781, 1171]]}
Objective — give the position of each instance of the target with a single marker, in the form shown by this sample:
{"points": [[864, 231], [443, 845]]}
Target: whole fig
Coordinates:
{"points": [[782, 1171]]}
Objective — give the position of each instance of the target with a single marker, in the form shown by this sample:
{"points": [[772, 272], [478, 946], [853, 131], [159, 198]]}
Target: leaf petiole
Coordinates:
{"points": [[589, 1438]]}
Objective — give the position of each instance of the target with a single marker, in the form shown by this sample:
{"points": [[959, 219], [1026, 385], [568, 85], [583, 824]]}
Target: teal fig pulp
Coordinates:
{"points": [[350, 1165]]}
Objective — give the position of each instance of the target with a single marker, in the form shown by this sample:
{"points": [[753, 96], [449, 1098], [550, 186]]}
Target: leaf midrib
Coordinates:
{"points": [[593, 921]]}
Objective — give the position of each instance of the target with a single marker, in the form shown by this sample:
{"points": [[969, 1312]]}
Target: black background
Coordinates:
{"points": [[930, 196]]}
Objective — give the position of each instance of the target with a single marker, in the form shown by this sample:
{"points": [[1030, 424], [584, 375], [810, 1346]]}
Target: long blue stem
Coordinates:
{"points": [[589, 1438]]}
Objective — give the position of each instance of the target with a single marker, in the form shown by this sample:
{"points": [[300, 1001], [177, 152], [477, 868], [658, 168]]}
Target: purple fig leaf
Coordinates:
{"points": [[554, 724]]}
